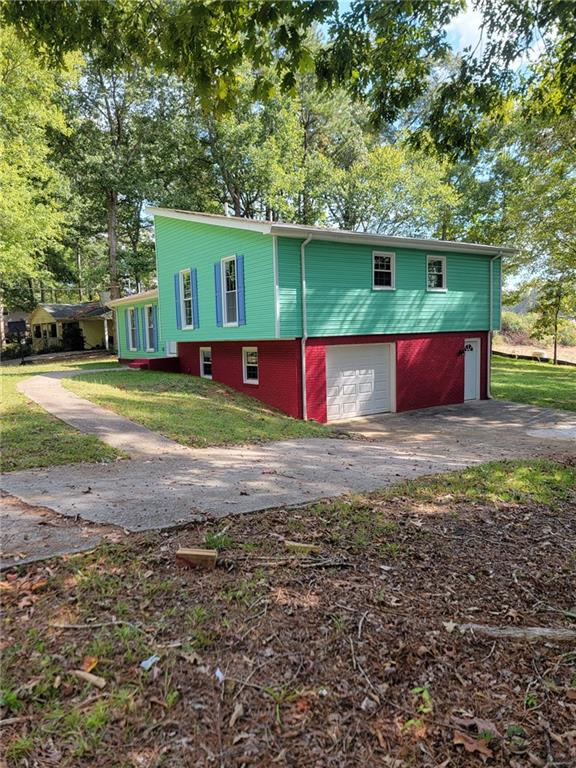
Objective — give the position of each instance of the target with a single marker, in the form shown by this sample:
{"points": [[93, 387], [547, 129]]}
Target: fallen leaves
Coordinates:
{"points": [[471, 744]]}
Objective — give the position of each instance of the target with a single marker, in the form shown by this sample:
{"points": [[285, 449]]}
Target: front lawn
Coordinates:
{"points": [[191, 410], [31, 437], [350, 655], [526, 381]]}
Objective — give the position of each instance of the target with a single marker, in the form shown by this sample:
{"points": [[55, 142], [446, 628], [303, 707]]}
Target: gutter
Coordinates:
{"points": [[490, 332], [304, 324]]}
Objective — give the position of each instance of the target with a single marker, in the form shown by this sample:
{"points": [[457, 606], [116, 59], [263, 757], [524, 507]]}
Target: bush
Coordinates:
{"points": [[567, 335], [13, 350]]}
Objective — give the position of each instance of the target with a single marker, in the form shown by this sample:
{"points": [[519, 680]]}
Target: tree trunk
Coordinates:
{"points": [[79, 270], [2, 334], [112, 217], [556, 339]]}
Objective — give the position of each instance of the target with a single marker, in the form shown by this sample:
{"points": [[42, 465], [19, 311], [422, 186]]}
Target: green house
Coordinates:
{"points": [[323, 324]]}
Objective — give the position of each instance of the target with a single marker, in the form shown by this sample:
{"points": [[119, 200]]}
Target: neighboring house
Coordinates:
{"points": [[73, 326], [321, 324], [15, 323]]}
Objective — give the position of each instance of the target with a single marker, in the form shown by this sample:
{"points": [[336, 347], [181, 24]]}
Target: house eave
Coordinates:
{"points": [[134, 298], [330, 235]]}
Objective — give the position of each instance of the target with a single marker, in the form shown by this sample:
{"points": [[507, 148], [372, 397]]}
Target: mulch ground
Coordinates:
{"points": [[349, 656]]}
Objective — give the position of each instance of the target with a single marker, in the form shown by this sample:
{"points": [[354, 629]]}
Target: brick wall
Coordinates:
{"points": [[429, 370], [278, 375]]}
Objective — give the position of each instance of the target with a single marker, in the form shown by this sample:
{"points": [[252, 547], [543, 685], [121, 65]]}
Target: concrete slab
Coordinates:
{"points": [[166, 484]]}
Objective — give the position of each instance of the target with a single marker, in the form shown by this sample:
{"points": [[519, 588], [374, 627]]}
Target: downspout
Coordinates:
{"points": [[490, 333], [304, 324]]}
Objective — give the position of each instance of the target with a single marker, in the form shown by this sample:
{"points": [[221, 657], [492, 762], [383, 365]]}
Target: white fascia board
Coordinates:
{"points": [[134, 298], [367, 238], [232, 222]]}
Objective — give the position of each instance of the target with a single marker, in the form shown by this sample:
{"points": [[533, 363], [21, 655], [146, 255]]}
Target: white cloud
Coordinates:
{"points": [[464, 29]]}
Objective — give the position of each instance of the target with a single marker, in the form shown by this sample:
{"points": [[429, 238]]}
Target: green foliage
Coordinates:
{"points": [[31, 214]]}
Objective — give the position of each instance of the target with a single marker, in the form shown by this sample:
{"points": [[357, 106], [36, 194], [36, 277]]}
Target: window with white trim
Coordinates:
{"points": [[149, 312], [132, 329], [383, 271], [186, 299], [206, 362], [436, 273], [229, 291], [172, 349], [250, 365]]}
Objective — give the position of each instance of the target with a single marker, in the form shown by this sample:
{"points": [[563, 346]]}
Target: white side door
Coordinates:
{"points": [[472, 369]]}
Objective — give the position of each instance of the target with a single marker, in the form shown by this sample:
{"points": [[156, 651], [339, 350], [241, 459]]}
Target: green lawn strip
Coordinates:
{"points": [[189, 619], [191, 410], [33, 438], [527, 381]]}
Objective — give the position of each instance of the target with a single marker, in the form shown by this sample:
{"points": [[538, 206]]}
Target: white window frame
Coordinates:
{"points": [[245, 352], [186, 326], [392, 257], [171, 349], [132, 329], [429, 258], [149, 344], [223, 263], [201, 351]]}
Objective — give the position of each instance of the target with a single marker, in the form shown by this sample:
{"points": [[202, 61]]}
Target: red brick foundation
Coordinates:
{"points": [[429, 369], [279, 370]]}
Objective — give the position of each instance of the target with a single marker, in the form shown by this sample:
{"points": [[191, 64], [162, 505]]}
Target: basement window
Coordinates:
{"points": [[250, 364], [436, 269], [206, 362], [383, 264]]}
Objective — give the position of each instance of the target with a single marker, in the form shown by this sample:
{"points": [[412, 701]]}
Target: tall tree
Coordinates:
{"points": [[31, 214]]}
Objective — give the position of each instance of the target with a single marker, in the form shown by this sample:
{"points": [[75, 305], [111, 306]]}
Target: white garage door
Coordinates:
{"points": [[359, 380]]}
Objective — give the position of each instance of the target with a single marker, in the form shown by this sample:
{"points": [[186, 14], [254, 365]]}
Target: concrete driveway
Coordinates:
{"points": [[173, 485]]}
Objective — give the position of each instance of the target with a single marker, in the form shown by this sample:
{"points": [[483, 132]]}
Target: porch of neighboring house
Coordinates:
{"points": [[70, 327]]}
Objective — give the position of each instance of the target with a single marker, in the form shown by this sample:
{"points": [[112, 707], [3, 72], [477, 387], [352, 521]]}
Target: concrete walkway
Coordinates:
{"points": [[166, 484]]}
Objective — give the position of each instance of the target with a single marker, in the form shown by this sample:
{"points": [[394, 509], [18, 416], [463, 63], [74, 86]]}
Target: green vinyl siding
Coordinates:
{"points": [[182, 244], [341, 301], [289, 287], [141, 353], [496, 294]]}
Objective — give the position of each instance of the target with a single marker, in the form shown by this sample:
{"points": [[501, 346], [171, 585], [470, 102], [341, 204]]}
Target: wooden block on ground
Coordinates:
{"points": [[301, 548], [198, 558]]}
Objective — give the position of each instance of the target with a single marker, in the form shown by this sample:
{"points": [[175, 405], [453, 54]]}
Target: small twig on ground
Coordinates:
{"points": [[353, 654], [98, 625], [15, 720], [521, 633], [361, 623]]}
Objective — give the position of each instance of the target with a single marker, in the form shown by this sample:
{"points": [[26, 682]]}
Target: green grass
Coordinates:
{"points": [[189, 409], [522, 481], [33, 438], [526, 381]]}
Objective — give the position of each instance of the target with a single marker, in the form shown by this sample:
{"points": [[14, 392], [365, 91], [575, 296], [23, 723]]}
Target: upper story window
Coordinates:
{"points": [[206, 362], [150, 330], [230, 291], [383, 271], [250, 365], [186, 299], [132, 337], [436, 273]]}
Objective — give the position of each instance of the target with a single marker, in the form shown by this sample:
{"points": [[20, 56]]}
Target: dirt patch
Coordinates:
{"points": [[348, 657]]}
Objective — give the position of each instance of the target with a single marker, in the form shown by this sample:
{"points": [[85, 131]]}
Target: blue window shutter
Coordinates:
{"points": [[127, 328], [137, 323], [218, 289], [194, 285], [144, 332], [177, 298], [240, 290], [155, 327]]}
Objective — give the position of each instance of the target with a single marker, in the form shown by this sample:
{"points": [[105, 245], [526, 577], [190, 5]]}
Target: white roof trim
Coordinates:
{"points": [[135, 297], [331, 235]]}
